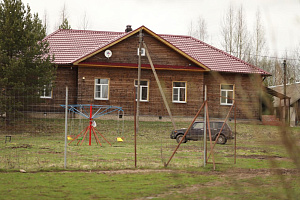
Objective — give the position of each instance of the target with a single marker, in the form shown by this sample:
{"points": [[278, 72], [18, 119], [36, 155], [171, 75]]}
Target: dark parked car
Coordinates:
{"points": [[197, 132]]}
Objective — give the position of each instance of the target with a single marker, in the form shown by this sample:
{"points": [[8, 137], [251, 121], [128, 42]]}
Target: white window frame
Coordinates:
{"points": [[44, 92], [141, 90], [225, 93], [179, 88], [101, 89]]}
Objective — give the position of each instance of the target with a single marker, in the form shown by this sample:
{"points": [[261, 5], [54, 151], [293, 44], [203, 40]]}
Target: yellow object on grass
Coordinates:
{"points": [[119, 139], [69, 138]]}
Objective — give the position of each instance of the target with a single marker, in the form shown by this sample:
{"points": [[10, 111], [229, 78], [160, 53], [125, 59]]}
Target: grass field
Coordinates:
{"points": [[267, 163]]}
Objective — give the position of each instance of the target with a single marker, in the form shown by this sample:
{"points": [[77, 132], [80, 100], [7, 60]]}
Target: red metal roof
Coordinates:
{"points": [[213, 58], [69, 46]]}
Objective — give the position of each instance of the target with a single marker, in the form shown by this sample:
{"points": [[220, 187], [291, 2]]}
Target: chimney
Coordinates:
{"points": [[128, 28]]}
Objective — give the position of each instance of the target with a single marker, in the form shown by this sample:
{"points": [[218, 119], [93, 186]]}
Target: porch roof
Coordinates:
{"points": [[292, 91]]}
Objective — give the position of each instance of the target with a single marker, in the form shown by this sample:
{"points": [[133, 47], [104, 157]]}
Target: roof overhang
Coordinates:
{"points": [[143, 66], [275, 93]]}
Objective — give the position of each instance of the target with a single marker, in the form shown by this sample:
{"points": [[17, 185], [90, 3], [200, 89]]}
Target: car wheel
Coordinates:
{"points": [[221, 140], [179, 138]]}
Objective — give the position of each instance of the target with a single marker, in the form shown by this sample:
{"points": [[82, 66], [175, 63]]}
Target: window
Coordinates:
{"points": [[227, 94], [179, 92], [198, 125], [144, 90], [101, 89], [46, 92]]}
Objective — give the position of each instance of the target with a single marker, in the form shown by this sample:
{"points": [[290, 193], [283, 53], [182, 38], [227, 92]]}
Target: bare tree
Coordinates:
{"points": [[45, 21], [252, 48], [241, 42], [63, 22], [199, 31], [228, 26], [293, 64], [235, 35], [84, 24], [63, 13], [191, 29], [275, 67], [297, 64], [259, 39], [267, 64], [278, 73]]}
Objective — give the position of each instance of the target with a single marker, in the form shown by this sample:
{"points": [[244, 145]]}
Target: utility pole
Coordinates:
{"points": [[159, 85], [284, 92], [139, 80]]}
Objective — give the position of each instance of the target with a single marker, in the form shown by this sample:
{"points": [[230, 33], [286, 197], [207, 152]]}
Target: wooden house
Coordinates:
{"points": [[100, 68]]}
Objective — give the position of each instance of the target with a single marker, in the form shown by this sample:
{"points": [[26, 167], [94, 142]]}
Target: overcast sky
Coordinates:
{"points": [[281, 18]]}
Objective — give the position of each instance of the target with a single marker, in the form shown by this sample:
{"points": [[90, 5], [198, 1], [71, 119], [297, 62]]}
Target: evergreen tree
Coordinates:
{"points": [[65, 24], [64, 19], [25, 65]]}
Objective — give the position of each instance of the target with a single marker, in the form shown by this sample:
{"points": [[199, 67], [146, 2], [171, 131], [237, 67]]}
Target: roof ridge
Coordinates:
{"points": [[185, 36], [79, 30]]}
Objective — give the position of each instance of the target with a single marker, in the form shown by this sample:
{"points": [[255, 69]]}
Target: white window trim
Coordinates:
{"points": [[185, 95], [44, 93], [226, 90], [100, 98], [141, 86]]}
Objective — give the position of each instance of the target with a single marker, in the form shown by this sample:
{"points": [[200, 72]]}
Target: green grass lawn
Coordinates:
{"points": [[145, 184], [267, 164], [93, 185]]}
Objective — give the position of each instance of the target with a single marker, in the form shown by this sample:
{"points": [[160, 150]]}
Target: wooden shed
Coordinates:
{"points": [[292, 102]]}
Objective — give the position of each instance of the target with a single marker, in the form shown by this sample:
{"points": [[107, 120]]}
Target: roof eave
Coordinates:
{"points": [[238, 72]]}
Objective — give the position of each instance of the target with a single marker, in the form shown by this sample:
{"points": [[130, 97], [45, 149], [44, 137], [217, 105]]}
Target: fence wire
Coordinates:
{"points": [[32, 138]]}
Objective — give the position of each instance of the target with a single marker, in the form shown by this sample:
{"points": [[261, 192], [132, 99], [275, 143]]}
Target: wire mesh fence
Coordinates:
{"points": [[33, 138]]}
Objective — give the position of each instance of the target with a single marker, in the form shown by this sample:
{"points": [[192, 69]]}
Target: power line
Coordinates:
{"points": [[264, 56]]}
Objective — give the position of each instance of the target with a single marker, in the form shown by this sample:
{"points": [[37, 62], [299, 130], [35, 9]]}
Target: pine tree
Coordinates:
{"points": [[64, 19], [65, 24], [25, 65]]}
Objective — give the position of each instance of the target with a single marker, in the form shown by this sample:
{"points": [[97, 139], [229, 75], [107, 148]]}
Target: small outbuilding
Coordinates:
{"points": [[292, 102]]}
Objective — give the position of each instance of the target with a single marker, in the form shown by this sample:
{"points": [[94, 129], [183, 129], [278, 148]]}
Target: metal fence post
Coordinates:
{"points": [[66, 127], [205, 128]]}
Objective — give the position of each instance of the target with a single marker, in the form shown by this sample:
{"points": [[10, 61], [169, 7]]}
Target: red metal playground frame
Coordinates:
{"points": [[86, 110]]}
